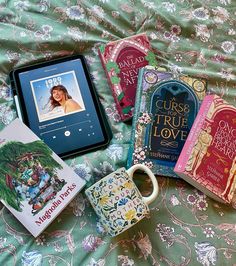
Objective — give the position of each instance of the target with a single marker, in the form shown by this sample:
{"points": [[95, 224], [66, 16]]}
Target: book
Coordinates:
{"points": [[208, 158], [121, 61], [35, 184], [165, 109]]}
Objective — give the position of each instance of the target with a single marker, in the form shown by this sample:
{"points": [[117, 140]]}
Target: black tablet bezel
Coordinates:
{"points": [[17, 91]]}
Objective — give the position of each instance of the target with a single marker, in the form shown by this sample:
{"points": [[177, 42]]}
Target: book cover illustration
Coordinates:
{"points": [[165, 109], [121, 61], [35, 184], [208, 159]]}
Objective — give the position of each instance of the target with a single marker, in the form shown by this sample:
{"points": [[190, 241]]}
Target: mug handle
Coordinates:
{"points": [[150, 174]]}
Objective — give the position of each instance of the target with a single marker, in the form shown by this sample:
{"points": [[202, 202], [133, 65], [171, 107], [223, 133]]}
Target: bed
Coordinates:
{"points": [[184, 226]]}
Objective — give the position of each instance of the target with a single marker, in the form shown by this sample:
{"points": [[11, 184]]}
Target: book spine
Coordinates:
{"points": [[193, 134], [135, 117], [104, 67], [111, 86]]}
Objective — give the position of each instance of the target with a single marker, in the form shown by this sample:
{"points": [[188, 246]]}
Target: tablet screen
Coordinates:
{"points": [[60, 106]]}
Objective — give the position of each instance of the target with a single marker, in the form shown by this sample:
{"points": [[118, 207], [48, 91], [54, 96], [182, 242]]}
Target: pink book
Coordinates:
{"points": [[208, 158], [121, 61]]}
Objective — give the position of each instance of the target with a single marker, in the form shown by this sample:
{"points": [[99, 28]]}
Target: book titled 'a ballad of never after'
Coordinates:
{"points": [[208, 158], [35, 184], [121, 61]]}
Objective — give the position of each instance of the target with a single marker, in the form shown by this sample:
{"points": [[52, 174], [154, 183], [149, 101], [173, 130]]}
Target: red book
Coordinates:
{"points": [[208, 158], [121, 61]]}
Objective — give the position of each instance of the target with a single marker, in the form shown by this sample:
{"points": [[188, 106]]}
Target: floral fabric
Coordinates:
{"points": [[194, 37]]}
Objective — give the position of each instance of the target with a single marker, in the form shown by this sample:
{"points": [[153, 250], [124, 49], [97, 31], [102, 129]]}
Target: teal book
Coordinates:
{"points": [[165, 109]]}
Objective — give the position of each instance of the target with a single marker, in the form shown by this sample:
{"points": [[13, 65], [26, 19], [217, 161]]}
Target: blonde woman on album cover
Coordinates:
{"points": [[60, 97]]}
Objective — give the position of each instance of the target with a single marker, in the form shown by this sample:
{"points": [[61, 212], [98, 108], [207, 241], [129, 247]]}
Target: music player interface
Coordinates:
{"points": [[60, 107]]}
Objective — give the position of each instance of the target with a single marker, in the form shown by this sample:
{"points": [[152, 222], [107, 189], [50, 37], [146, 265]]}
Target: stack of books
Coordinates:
{"points": [[178, 130]]}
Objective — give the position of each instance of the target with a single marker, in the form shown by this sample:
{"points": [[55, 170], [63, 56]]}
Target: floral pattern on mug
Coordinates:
{"points": [[117, 201]]}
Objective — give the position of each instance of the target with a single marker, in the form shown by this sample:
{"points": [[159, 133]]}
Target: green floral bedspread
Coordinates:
{"points": [[195, 37]]}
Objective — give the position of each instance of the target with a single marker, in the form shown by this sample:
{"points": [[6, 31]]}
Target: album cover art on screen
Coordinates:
{"points": [[57, 95]]}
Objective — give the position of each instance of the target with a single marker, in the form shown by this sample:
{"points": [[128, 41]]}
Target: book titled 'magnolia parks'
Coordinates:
{"points": [[35, 184], [208, 158]]}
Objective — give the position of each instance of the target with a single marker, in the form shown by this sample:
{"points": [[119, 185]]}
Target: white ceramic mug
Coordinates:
{"points": [[117, 200]]}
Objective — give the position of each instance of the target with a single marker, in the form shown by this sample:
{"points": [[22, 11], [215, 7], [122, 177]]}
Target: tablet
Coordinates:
{"points": [[58, 102]]}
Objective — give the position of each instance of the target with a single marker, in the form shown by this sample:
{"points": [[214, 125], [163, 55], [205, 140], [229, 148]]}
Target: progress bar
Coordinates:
{"points": [[60, 128]]}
